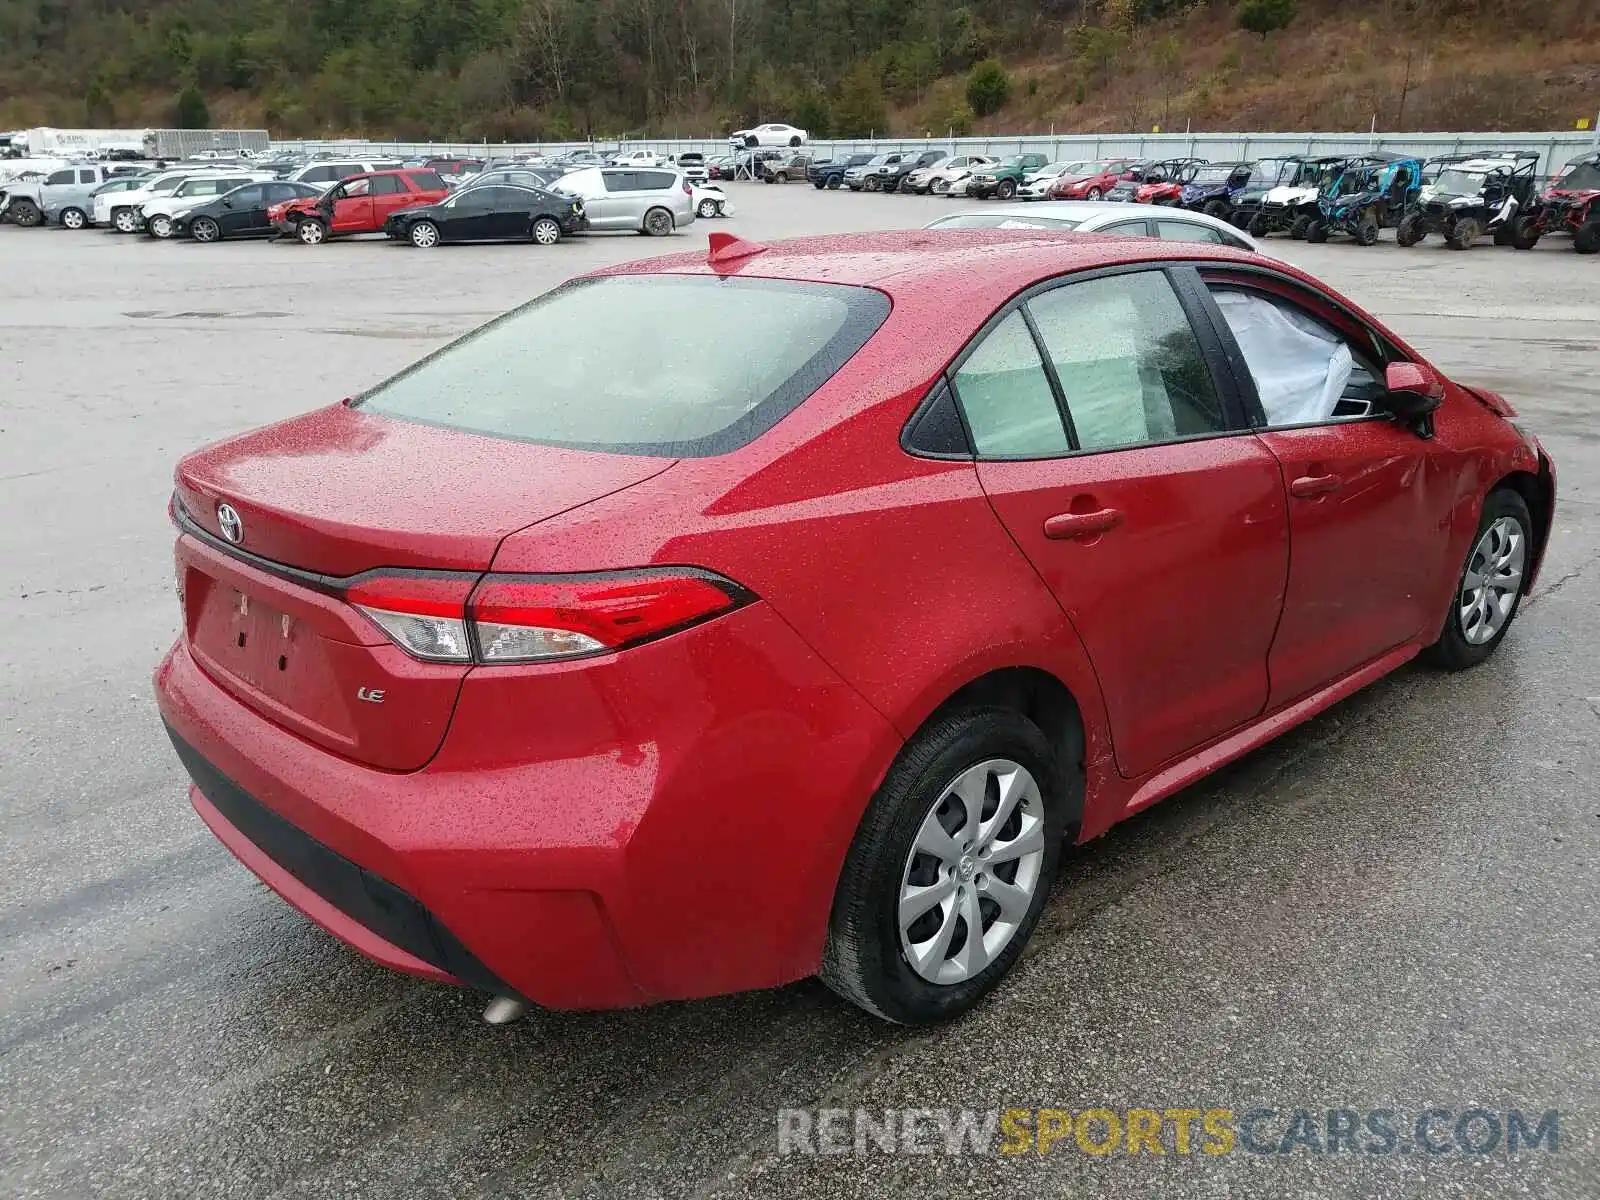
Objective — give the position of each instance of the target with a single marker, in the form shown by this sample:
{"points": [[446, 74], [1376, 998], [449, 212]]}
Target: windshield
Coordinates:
{"points": [[877, 160], [676, 365], [1267, 172], [1215, 174], [983, 220], [1584, 177], [1458, 183]]}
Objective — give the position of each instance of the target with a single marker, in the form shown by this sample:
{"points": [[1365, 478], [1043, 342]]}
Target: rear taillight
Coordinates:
{"points": [[519, 619], [688, 188]]}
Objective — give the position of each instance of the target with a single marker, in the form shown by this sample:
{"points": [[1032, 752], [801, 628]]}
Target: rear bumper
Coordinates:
{"points": [[662, 824]]}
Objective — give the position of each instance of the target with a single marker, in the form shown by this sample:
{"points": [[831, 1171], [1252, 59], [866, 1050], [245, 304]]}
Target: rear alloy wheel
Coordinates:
{"points": [[424, 235], [73, 218], [311, 231], [159, 226], [706, 208], [1411, 231], [204, 229], [1491, 584], [949, 869], [1464, 233], [546, 231], [658, 222], [125, 220], [1526, 234], [1587, 239]]}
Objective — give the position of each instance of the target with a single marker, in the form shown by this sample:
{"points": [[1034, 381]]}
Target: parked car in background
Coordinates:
{"points": [[606, 562], [894, 176], [868, 177], [1091, 180], [1101, 216], [654, 202], [1002, 179], [710, 200], [123, 211], [721, 167], [493, 213], [955, 171], [328, 173], [122, 183], [769, 135], [1164, 182], [535, 177], [359, 204], [1036, 184], [241, 212], [830, 172], [693, 165], [783, 170], [1214, 187], [156, 215], [65, 191], [1570, 205], [638, 158]]}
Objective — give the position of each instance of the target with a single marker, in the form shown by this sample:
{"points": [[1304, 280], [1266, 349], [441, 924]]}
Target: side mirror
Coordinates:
{"points": [[1414, 390]]}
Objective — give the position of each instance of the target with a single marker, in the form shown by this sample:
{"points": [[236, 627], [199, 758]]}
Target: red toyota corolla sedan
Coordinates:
{"points": [[716, 621]]}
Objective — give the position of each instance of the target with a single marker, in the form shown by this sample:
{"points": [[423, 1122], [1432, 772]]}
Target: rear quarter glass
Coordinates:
{"points": [[677, 366]]}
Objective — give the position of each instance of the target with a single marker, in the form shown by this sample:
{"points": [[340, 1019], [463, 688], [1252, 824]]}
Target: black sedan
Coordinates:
{"points": [[239, 213], [497, 213]]}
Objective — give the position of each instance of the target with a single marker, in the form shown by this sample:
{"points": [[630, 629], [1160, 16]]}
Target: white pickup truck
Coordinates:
{"points": [[61, 195]]}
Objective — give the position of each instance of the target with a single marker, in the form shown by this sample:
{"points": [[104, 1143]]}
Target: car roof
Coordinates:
{"points": [[1091, 213], [981, 266]]}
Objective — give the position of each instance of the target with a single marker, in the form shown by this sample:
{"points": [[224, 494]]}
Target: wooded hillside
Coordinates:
{"points": [[547, 69]]}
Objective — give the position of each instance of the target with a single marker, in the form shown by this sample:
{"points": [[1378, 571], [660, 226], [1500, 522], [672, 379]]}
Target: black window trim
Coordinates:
{"points": [[1193, 297], [1380, 354]]}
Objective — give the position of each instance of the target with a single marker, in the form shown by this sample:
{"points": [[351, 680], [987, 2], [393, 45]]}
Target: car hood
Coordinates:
{"points": [[340, 490], [1290, 195]]}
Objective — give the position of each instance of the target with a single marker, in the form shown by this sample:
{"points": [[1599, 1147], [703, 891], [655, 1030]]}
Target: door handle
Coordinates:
{"points": [[1314, 485], [1081, 525]]}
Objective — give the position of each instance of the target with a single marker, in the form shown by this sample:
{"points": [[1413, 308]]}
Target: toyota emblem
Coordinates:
{"points": [[229, 523]]}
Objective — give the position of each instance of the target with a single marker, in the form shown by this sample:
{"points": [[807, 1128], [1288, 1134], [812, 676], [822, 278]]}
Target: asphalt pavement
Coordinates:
{"points": [[1392, 908]]}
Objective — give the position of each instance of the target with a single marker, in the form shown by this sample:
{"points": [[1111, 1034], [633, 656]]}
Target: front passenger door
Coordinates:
{"points": [[1115, 463], [243, 212], [352, 206]]}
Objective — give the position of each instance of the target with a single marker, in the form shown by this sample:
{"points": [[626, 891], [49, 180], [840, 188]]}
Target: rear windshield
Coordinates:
{"points": [[673, 365]]}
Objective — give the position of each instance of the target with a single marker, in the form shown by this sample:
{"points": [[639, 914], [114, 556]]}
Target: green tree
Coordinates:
{"points": [[988, 87], [191, 111], [1264, 16], [238, 72], [860, 110], [812, 114], [97, 103]]}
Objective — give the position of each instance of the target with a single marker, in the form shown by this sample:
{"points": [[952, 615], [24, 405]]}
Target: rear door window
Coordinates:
{"points": [[386, 185], [427, 181], [655, 181], [1007, 398], [1187, 231], [620, 181]]}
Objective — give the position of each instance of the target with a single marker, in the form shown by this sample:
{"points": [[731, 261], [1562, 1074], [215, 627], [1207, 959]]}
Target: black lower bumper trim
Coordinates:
{"points": [[372, 901]]}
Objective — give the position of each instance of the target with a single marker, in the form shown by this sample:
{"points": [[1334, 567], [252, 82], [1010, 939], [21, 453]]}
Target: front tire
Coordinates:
{"points": [[1526, 234], [1005, 189], [1217, 209], [1411, 231], [949, 869], [546, 231], [311, 231], [1367, 232], [159, 226], [872, 183], [25, 212], [125, 220], [73, 218], [204, 229], [1587, 239], [1464, 233], [834, 181], [706, 208], [1491, 584], [1314, 231]]}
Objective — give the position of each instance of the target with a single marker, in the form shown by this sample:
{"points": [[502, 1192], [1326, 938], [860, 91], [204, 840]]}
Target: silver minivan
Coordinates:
{"points": [[652, 200]]}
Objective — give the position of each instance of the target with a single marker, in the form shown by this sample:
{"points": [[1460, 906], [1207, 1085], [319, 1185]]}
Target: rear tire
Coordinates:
{"points": [[546, 231], [1502, 235], [865, 959], [1463, 643], [1587, 239], [706, 208], [1464, 234], [657, 222], [794, 140], [1410, 232], [1526, 234]]}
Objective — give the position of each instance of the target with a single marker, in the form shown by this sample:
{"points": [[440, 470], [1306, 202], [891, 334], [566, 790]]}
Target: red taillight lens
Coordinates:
{"points": [[510, 619], [529, 619], [425, 614]]}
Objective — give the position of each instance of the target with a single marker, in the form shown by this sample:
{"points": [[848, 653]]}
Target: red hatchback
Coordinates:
{"points": [[709, 623], [1092, 180], [359, 204]]}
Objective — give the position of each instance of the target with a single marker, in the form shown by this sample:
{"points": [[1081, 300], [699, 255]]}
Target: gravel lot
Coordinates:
{"points": [[1393, 907]]}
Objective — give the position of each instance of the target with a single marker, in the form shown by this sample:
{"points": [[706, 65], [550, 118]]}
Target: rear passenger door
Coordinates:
{"points": [[1112, 445], [617, 202], [389, 194]]}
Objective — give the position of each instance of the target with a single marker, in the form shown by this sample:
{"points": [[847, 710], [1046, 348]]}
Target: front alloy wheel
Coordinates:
{"points": [[73, 218], [204, 229], [424, 235], [161, 226], [311, 232], [125, 220], [1491, 584]]}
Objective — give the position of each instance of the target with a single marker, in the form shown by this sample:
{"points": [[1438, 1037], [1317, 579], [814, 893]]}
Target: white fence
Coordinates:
{"points": [[1554, 148]]}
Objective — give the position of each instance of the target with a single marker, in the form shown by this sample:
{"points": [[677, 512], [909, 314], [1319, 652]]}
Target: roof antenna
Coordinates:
{"points": [[726, 248]]}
